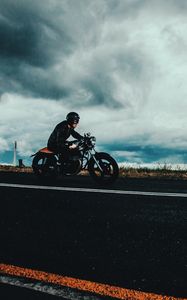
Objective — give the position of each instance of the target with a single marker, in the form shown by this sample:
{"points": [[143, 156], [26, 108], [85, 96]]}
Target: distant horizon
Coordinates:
{"points": [[149, 166], [8, 158], [156, 165]]}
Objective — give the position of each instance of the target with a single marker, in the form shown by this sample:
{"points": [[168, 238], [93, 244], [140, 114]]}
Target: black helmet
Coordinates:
{"points": [[72, 117]]}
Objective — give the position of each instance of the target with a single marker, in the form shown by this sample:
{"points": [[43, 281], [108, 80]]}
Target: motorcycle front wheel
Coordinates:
{"points": [[103, 168], [44, 165]]}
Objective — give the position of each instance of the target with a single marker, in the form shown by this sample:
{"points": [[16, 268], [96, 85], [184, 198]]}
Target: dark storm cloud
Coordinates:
{"points": [[24, 79], [29, 41], [101, 90], [120, 63], [35, 37], [28, 34]]}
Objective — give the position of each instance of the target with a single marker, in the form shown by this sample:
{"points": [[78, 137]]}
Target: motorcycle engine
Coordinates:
{"points": [[72, 166]]}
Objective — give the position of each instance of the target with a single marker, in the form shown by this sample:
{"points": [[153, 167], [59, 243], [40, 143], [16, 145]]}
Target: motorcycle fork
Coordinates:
{"points": [[93, 156]]}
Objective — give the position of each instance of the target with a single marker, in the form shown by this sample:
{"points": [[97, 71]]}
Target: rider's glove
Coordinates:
{"points": [[73, 146]]}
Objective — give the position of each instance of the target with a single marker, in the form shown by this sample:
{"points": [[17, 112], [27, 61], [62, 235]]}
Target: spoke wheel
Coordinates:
{"points": [[44, 165], [104, 170]]}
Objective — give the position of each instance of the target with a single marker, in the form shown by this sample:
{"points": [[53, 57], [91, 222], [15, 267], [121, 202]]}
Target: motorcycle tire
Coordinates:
{"points": [[109, 166], [44, 165]]}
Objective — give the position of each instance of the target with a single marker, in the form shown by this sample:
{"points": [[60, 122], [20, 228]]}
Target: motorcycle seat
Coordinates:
{"points": [[46, 150]]}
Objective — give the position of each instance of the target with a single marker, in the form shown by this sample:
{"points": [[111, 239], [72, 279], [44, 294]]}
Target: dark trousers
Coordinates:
{"points": [[63, 152]]}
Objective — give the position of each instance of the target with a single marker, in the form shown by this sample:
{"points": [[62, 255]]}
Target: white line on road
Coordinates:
{"points": [[55, 290], [87, 190]]}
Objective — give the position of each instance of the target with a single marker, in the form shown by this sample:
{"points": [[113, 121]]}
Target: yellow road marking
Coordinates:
{"points": [[84, 285]]}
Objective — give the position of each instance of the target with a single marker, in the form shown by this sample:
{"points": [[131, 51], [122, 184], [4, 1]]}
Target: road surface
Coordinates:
{"points": [[134, 240]]}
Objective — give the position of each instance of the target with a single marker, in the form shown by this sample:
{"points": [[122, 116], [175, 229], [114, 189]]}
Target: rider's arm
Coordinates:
{"points": [[76, 135]]}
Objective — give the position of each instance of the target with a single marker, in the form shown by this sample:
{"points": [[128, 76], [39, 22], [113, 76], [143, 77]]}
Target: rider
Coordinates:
{"points": [[57, 141]]}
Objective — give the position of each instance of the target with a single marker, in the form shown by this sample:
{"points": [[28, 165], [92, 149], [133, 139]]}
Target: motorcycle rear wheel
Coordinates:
{"points": [[44, 165], [107, 171]]}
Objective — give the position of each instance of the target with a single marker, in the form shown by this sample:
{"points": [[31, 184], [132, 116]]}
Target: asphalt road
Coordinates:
{"points": [[132, 241]]}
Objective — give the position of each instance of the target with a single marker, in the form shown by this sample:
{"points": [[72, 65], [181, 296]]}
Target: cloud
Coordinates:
{"points": [[121, 64], [50, 57], [3, 145], [28, 121], [30, 45]]}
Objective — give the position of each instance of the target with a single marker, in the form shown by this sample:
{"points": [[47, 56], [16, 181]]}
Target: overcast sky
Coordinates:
{"points": [[121, 64]]}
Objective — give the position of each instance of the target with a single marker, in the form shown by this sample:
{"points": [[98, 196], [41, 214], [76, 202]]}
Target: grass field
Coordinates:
{"points": [[125, 171]]}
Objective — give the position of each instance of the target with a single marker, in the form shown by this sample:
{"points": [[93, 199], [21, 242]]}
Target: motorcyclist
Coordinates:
{"points": [[57, 141]]}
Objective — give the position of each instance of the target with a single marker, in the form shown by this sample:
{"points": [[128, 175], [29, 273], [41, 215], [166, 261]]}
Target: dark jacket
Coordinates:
{"points": [[59, 136]]}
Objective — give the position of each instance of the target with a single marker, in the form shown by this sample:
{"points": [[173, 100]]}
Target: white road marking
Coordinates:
{"points": [[55, 290], [87, 190]]}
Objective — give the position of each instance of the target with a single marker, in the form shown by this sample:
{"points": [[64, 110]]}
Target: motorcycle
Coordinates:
{"points": [[101, 166]]}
